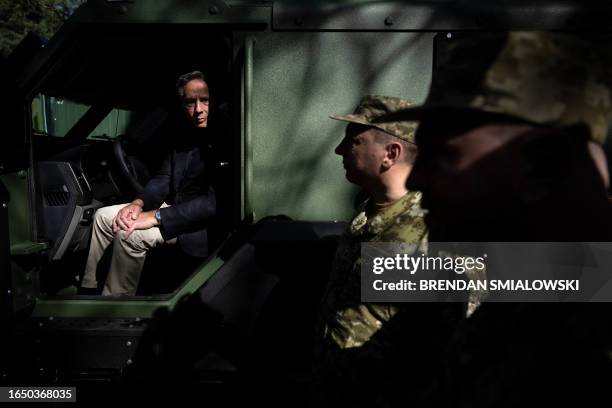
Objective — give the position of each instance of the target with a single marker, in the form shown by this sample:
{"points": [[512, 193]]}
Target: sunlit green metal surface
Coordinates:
{"points": [[171, 11], [55, 116], [121, 307], [248, 137], [299, 80], [28, 247]]}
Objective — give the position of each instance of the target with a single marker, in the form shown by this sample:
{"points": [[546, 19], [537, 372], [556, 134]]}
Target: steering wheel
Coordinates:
{"points": [[126, 167]]}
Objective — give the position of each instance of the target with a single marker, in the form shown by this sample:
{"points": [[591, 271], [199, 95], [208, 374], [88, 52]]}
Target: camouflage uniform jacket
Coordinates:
{"points": [[363, 350], [345, 319]]}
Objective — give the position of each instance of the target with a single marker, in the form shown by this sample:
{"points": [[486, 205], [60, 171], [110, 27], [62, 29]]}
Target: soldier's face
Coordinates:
{"points": [[196, 102], [465, 176], [362, 155]]}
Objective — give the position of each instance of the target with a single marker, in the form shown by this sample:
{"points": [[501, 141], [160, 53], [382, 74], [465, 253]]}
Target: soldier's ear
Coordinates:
{"points": [[394, 151]]}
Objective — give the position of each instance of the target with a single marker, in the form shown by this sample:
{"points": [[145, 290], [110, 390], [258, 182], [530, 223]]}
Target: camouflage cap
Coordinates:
{"points": [[374, 106], [541, 77]]}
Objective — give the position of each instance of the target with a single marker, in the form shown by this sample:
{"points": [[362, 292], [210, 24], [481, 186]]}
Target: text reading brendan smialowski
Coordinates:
{"points": [[452, 274], [497, 271], [474, 266]]}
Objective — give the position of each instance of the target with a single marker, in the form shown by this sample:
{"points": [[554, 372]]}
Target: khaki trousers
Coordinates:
{"points": [[128, 254]]}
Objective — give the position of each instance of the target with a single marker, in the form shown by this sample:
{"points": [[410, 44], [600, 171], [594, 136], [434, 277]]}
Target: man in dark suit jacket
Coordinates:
{"points": [[175, 206]]}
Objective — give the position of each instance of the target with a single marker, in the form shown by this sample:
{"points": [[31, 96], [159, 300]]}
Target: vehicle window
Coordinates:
{"points": [[52, 116]]}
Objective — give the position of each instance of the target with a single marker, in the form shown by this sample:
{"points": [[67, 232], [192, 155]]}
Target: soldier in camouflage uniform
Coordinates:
{"points": [[505, 155], [361, 346]]}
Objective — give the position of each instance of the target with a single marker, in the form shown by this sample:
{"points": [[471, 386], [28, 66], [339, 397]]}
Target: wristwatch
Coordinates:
{"points": [[158, 217]]}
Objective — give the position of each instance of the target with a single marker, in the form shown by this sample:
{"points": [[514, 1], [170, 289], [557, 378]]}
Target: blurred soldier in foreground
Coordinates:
{"points": [[509, 156], [363, 350]]}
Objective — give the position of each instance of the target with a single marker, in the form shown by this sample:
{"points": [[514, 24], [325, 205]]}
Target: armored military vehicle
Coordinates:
{"points": [[87, 117]]}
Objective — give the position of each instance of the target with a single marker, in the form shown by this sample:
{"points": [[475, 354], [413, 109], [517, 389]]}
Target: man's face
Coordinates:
{"points": [[465, 176], [362, 155], [195, 102]]}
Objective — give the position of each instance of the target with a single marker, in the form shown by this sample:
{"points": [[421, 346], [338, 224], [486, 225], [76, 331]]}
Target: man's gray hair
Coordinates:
{"points": [[183, 79]]}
